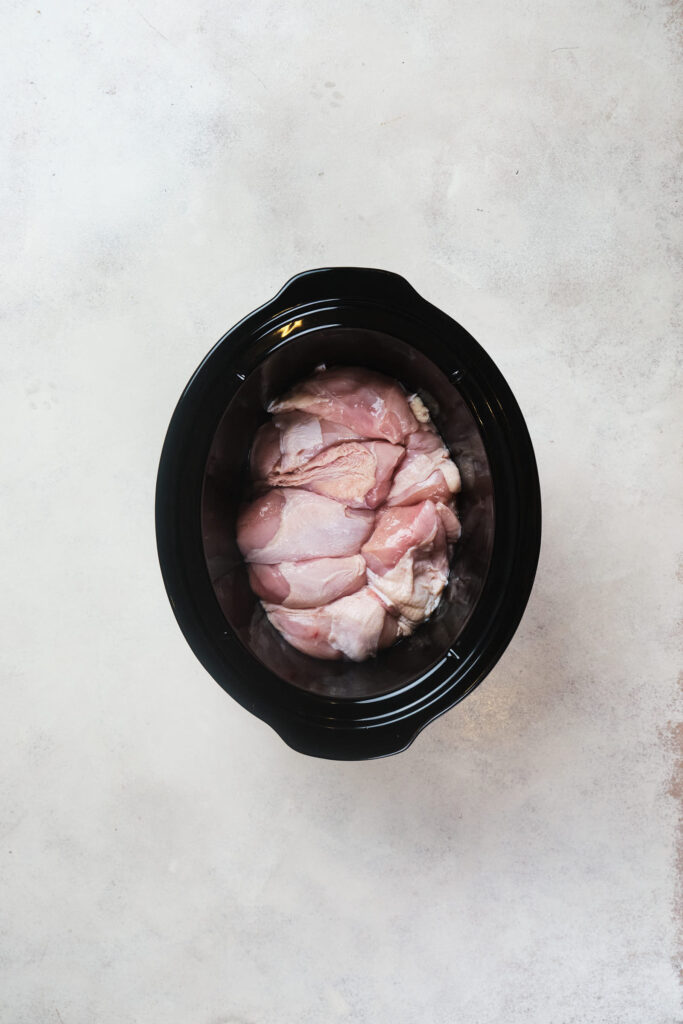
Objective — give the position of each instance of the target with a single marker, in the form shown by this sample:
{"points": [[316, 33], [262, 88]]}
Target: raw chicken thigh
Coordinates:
{"points": [[290, 439], [354, 627], [427, 471], [407, 560], [308, 584], [290, 525], [451, 523], [349, 533], [368, 402], [358, 473]]}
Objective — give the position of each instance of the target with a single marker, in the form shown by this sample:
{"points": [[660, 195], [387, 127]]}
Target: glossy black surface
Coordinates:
{"points": [[372, 318], [306, 346]]}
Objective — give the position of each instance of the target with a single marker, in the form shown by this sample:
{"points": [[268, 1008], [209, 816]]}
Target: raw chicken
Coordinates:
{"points": [[265, 451], [308, 584], [427, 471], [354, 627], [369, 403], [407, 559], [356, 472], [288, 525], [451, 523], [398, 530], [336, 578], [289, 440]]}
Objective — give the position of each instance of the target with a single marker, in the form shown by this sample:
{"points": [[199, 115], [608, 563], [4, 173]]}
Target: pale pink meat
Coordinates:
{"points": [[356, 472], [289, 440], [289, 525], [369, 403], [308, 584], [407, 559], [427, 471], [398, 530], [265, 451], [302, 436], [347, 541], [354, 627], [450, 521]]}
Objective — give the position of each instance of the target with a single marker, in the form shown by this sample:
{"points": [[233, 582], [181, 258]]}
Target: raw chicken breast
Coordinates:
{"points": [[427, 471], [407, 559], [308, 584], [372, 405], [288, 525], [355, 472], [289, 440], [354, 627]]}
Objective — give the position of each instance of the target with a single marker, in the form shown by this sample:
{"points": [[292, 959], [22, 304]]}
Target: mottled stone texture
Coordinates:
{"points": [[164, 857]]}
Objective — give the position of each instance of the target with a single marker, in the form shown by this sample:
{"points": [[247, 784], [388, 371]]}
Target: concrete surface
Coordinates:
{"points": [[165, 859]]}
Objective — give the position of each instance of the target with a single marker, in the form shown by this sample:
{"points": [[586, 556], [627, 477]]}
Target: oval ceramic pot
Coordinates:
{"points": [[376, 319]]}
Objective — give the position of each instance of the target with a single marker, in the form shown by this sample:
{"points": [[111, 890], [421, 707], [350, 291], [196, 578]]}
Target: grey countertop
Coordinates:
{"points": [[164, 856]]}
